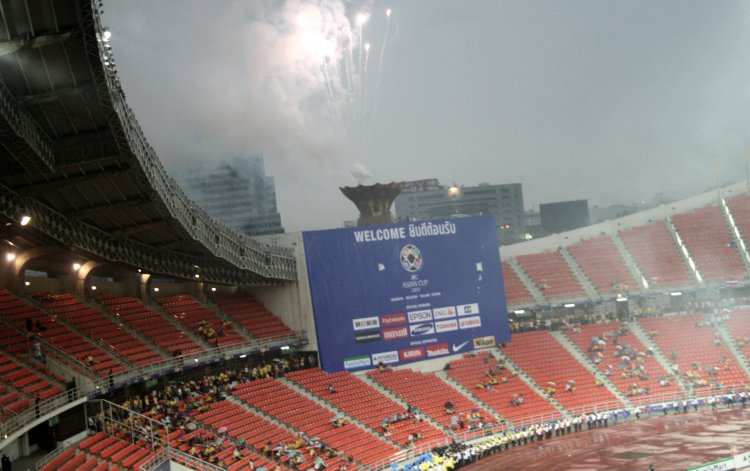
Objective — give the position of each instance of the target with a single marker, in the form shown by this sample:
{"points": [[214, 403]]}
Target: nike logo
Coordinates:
{"points": [[459, 346]]}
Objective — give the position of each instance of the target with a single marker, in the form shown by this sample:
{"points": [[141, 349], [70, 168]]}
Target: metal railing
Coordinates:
{"points": [[36, 410], [170, 454], [49, 457], [628, 412], [184, 362], [94, 384]]}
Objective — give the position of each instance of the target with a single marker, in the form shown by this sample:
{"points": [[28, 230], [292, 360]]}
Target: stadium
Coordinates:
{"points": [[139, 333]]}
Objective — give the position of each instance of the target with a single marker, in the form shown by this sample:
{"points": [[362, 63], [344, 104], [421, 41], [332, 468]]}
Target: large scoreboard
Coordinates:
{"points": [[405, 292]]}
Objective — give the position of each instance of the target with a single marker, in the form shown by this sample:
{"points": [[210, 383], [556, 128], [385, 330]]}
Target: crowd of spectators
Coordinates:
{"points": [[166, 414], [458, 454]]}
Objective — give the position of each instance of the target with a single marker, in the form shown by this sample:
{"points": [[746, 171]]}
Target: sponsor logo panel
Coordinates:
{"points": [[444, 312], [446, 326], [412, 354], [437, 350], [356, 362], [366, 323], [457, 348], [467, 309], [421, 329], [484, 342], [420, 316], [385, 357], [395, 333], [392, 319], [368, 337], [470, 322]]}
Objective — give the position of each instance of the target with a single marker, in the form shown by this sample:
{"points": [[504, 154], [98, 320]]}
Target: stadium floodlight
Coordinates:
{"points": [[93, 288], [285, 347], [106, 35], [27, 283], [25, 219], [454, 191], [76, 266], [244, 355], [676, 293], [197, 275], [213, 289], [621, 299], [156, 289], [519, 311], [10, 256], [570, 305]]}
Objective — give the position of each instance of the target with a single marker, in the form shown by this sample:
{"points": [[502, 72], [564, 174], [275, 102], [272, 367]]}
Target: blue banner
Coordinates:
{"points": [[405, 292]]}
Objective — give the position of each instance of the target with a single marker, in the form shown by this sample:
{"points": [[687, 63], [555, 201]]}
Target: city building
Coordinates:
{"points": [[564, 216], [239, 194], [428, 200]]}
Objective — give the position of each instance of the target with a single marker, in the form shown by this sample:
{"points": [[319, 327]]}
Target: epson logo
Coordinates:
{"points": [[421, 329], [420, 316], [398, 333]]}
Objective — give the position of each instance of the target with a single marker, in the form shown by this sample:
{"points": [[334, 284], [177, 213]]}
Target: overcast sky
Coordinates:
{"points": [[612, 101]]}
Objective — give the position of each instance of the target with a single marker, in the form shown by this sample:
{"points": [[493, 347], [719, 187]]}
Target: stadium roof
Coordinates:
{"points": [[73, 157]]}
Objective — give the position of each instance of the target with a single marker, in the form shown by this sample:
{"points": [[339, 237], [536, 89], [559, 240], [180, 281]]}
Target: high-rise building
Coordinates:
{"points": [[564, 216], [505, 202], [239, 194]]}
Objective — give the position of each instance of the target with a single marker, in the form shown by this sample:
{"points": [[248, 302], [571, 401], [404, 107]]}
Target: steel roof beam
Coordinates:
{"points": [[10, 46], [40, 188], [53, 95], [104, 208]]}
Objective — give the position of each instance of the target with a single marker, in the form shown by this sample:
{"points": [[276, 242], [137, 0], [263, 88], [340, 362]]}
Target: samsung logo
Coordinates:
{"points": [[421, 329]]}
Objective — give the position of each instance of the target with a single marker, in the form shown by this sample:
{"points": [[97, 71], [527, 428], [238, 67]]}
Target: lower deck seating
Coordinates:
{"points": [[551, 366], [430, 394], [698, 352], [359, 400], [629, 365], [283, 403], [474, 371]]}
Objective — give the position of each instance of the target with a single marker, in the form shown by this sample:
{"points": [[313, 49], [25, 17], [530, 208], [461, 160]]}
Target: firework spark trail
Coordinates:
{"points": [[379, 71], [364, 81], [330, 92]]}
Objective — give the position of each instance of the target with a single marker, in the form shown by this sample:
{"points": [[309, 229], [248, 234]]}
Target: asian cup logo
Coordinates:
{"points": [[411, 258]]}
